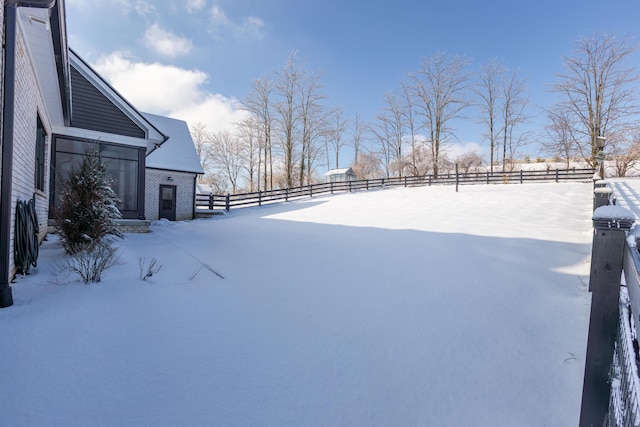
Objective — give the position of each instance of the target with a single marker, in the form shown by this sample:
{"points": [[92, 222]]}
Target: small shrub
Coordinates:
{"points": [[151, 269], [89, 263]]}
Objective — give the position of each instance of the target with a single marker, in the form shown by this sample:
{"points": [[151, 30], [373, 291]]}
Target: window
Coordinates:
{"points": [[122, 167], [41, 137]]}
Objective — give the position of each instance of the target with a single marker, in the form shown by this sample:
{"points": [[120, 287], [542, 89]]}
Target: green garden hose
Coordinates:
{"points": [[26, 237]]}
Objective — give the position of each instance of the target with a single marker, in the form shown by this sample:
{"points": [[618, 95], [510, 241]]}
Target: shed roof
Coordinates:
{"points": [[177, 153], [347, 171]]}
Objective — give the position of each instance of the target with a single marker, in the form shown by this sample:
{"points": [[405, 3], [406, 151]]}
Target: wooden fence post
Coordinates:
{"points": [[457, 178], [610, 226], [259, 198], [226, 207], [331, 186], [557, 175], [286, 194], [211, 201]]}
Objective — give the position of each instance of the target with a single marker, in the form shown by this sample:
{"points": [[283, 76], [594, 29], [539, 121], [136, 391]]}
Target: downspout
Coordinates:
{"points": [[8, 104], [195, 189]]}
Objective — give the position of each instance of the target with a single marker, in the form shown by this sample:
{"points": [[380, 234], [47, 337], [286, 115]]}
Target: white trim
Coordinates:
{"points": [[27, 14], [100, 136]]}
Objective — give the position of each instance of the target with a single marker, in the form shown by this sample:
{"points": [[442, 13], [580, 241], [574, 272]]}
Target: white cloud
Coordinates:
{"points": [[169, 90], [195, 5], [251, 26], [165, 42], [460, 148]]}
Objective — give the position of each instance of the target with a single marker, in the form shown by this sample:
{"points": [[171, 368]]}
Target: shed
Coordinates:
{"points": [[340, 175], [171, 172]]}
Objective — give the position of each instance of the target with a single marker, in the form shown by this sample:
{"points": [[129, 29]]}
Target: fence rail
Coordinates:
{"points": [[229, 201]]}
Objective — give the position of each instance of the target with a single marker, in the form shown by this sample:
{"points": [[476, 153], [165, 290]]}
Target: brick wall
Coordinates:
{"points": [[185, 197], [28, 105]]}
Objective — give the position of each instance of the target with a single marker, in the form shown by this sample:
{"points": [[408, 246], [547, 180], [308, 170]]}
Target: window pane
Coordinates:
{"points": [[124, 174], [115, 152], [72, 146]]}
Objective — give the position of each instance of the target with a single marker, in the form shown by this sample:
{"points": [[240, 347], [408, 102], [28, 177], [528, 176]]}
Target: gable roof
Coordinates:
{"points": [[177, 153], [99, 101]]}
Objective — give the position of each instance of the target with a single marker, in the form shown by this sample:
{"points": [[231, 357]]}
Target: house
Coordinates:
{"points": [[340, 175], [55, 109]]}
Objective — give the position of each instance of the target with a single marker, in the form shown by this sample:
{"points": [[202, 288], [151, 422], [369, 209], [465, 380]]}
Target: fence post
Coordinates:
{"points": [[211, 201], [310, 191], [457, 178], [405, 181], [429, 180], [521, 179], [259, 198], [367, 184], [349, 186], [601, 197], [556, 175], [226, 203], [331, 186], [610, 226], [286, 194]]}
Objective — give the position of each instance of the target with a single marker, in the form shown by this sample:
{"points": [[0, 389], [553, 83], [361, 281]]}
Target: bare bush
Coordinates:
{"points": [[89, 263]]}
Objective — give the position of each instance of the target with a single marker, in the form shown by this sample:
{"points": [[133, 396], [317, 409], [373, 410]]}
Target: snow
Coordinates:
{"points": [[403, 307], [177, 153]]}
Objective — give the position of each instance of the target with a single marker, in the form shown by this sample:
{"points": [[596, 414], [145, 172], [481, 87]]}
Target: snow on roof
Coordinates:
{"points": [[339, 171], [177, 153], [203, 189]]}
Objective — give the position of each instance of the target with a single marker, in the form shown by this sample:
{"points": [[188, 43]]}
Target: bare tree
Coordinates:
{"points": [[312, 123], [598, 90], [259, 103], [440, 90], [559, 139], [410, 123], [250, 143], [488, 92], [513, 112], [287, 109], [202, 142], [368, 166], [358, 130], [625, 153], [383, 135], [226, 152], [393, 114], [468, 161], [337, 128]]}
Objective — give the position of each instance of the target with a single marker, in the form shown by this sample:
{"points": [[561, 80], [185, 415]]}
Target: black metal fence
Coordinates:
{"points": [[624, 401], [229, 201], [611, 387]]}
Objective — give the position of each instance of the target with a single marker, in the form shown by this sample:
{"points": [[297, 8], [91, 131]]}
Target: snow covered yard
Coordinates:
{"points": [[403, 307]]}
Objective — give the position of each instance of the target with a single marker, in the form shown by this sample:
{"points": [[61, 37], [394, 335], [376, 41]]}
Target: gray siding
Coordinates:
{"points": [[92, 110]]}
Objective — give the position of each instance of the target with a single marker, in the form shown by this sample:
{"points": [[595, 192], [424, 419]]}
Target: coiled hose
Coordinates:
{"points": [[26, 237]]}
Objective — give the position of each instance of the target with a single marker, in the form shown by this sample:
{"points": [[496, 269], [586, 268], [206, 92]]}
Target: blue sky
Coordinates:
{"points": [[192, 58]]}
